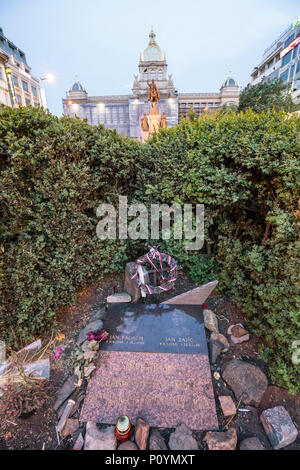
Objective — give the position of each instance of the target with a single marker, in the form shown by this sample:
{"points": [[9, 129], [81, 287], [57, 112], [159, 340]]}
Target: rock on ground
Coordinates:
{"points": [[99, 439], [246, 381], [215, 349], [182, 439], [238, 334], [221, 339], [93, 326], [210, 321], [227, 405], [251, 443], [156, 441], [65, 391], [142, 429], [128, 445], [70, 427], [279, 427], [226, 440], [79, 442]]}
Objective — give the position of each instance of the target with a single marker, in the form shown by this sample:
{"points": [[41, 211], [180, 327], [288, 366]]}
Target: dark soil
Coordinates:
{"points": [[37, 430]]}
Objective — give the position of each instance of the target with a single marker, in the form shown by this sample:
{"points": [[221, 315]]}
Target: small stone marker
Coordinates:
{"points": [[154, 365], [120, 297], [279, 427]]}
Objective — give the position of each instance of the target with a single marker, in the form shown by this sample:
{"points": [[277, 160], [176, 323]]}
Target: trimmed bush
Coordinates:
{"points": [[243, 167]]}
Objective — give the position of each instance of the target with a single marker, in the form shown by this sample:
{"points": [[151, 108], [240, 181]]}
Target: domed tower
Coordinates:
{"points": [[153, 66], [230, 92], [75, 101], [76, 91]]}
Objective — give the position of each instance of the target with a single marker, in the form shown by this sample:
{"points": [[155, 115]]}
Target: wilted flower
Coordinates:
{"points": [[58, 353], [100, 335], [60, 337]]}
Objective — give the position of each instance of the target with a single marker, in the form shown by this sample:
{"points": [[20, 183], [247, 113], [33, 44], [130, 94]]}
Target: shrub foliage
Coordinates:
{"points": [[243, 167]]}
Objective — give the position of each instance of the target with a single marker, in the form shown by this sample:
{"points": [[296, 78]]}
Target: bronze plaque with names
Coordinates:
{"points": [[155, 366]]}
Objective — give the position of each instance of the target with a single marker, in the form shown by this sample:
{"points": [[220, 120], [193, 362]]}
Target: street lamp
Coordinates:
{"points": [[49, 78]]}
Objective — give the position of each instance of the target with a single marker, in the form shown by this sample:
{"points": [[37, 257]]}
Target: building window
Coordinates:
{"points": [[160, 75], [284, 76], [153, 75], [297, 77], [27, 101], [289, 40], [286, 58], [19, 100], [34, 92], [36, 105], [25, 85], [291, 73], [15, 80], [295, 51]]}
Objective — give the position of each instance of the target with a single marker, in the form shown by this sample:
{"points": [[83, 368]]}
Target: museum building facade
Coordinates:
{"points": [[124, 112]]}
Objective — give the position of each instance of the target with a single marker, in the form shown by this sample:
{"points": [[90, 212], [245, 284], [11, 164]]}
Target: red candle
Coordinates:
{"points": [[123, 428]]}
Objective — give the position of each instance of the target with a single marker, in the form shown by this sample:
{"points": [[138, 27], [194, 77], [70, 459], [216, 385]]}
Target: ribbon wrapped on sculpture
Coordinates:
{"points": [[150, 257]]}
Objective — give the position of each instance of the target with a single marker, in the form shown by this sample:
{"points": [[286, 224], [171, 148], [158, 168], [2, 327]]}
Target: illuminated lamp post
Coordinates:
{"points": [[49, 78]]}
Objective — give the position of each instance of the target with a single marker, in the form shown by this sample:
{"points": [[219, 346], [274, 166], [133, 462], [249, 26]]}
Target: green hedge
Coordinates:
{"points": [[243, 167]]}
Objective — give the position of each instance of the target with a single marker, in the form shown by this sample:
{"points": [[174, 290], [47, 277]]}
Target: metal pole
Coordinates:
{"points": [[43, 93]]}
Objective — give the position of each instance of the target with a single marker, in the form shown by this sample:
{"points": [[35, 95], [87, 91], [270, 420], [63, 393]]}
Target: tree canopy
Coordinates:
{"points": [[265, 96]]}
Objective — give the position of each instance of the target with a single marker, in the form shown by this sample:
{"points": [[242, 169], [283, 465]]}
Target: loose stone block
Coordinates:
{"points": [[227, 405], [156, 441], [70, 427], [182, 439], [210, 321], [221, 440], [128, 445], [279, 427], [96, 439], [251, 443], [142, 429]]}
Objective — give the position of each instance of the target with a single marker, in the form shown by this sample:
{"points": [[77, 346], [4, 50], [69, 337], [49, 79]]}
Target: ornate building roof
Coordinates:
{"points": [[77, 86], [230, 82], [153, 52]]}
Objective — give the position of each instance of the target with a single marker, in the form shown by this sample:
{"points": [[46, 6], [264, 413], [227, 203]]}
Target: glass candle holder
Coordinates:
{"points": [[123, 428]]}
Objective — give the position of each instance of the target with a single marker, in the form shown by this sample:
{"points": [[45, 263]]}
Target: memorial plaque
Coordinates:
{"points": [[155, 366]]}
